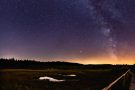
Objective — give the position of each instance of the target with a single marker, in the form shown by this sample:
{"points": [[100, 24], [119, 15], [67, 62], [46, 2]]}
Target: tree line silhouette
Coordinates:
{"points": [[32, 64], [14, 63]]}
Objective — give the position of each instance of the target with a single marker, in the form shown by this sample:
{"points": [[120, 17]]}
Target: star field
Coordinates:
{"points": [[83, 31]]}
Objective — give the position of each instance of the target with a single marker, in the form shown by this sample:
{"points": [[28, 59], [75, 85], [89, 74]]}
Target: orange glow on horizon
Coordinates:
{"points": [[104, 61], [87, 60]]}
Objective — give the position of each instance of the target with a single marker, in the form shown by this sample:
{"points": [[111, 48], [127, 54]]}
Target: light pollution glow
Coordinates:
{"points": [[98, 60]]}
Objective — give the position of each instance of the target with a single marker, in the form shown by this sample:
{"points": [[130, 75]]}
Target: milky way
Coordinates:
{"points": [[105, 26]]}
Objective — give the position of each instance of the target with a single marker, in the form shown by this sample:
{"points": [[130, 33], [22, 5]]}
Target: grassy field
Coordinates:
{"points": [[27, 79]]}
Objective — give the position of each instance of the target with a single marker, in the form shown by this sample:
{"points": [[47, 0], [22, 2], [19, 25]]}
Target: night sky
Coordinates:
{"points": [[83, 31]]}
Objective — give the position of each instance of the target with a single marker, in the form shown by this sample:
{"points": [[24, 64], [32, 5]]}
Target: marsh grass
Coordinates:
{"points": [[27, 79]]}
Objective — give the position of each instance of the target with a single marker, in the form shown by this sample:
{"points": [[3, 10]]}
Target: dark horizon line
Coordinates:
{"points": [[33, 60]]}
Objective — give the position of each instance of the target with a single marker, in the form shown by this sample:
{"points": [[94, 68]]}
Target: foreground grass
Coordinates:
{"points": [[27, 79]]}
